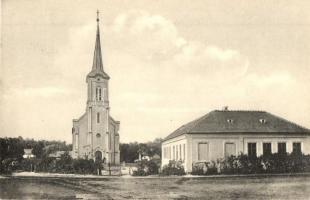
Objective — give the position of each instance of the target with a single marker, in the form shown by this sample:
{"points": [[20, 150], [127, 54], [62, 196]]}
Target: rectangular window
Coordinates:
{"points": [[98, 118], [180, 147], [177, 152], [252, 149], [282, 148], [164, 152], [266, 149], [296, 147], [230, 149], [203, 151], [184, 151], [167, 152], [173, 153]]}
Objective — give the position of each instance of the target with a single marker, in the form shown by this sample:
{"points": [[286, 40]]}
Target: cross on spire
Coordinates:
{"points": [[98, 16]]}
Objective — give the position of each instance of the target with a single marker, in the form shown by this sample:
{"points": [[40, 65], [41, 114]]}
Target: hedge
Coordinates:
{"points": [[173, 168], [243, 164]]}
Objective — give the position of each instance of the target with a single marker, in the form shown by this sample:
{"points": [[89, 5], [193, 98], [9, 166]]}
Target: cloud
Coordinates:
{"points": [[156, 71], [220, 54], [159, 80], [156, 41]]}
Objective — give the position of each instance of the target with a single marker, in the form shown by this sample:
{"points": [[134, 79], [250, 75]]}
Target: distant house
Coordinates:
{"points": [[28, 153], [222, 133]]}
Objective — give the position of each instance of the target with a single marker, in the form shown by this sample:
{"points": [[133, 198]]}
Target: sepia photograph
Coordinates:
{"points": [[165, 99]]}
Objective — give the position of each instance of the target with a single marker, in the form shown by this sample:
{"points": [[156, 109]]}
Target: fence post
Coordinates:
{"points": [[109, 165]]}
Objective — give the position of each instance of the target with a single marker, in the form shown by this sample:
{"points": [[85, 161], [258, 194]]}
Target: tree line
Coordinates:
{"points": [[12, 151], [14, 147], [129, 152]]}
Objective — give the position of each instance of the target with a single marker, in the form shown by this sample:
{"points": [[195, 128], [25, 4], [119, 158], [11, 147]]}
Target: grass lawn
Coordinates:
{"points": [[275, 187]]}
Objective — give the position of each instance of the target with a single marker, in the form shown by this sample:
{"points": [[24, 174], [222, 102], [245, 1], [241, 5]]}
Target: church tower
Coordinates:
{"points": [[95, 134]]}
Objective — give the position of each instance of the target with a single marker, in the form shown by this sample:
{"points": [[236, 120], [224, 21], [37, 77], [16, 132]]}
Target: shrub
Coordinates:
{"points": [[84, 166], [146, 168], [173, 168], [45, 164], [6, 166], [139, 172], [283, 163], [64, 164], [204, 168]]}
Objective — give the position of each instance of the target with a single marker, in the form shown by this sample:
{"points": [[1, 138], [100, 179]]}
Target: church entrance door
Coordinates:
{"points": [[98, 162], [98, 156]]}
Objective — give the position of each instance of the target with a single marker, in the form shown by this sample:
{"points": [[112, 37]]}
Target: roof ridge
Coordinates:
{"points": [[262, 111]]}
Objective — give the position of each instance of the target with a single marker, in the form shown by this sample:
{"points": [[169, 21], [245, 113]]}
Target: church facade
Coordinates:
{"points": [[95, 134]]}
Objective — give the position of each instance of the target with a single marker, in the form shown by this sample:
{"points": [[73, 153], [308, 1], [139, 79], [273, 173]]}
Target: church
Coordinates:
{"points": [[95, 134]]}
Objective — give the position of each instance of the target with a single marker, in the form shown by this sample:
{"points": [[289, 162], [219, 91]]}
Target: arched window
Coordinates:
{"points": [[98, 94], [98, 135], [98, 118]]}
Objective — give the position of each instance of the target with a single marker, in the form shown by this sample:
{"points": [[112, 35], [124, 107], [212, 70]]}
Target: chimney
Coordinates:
{"points": [[225, 108]]}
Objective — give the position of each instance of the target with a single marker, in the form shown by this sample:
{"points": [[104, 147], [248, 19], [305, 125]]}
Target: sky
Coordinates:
{"points": [[170, 62]]}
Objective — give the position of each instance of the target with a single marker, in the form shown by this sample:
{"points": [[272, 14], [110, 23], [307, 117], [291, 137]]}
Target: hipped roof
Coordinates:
{"points": [[226, 121]]}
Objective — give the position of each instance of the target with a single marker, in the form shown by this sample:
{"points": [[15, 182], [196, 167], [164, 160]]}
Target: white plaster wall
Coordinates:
{"points": [[217, 144], [174, 142]]}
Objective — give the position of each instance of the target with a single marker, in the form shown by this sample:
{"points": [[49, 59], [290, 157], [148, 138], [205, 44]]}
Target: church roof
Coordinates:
{"points": [[97, 68], [226, 121]]}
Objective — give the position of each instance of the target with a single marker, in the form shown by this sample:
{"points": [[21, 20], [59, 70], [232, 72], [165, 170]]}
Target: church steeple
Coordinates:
{"points": [[97, 68], [97, 62]]}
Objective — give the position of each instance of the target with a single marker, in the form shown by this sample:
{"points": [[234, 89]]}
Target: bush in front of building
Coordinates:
{"points": [[286, 163], [173, 168], [84, 166], [145, 168], [64, 164], [241, 164], [244, 164], [44, 164], [7, 166], [204, 168]]}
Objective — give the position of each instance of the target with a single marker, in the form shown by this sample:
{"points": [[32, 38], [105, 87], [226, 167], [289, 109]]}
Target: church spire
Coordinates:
{"points": [[97, 68], [97, 62]]}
